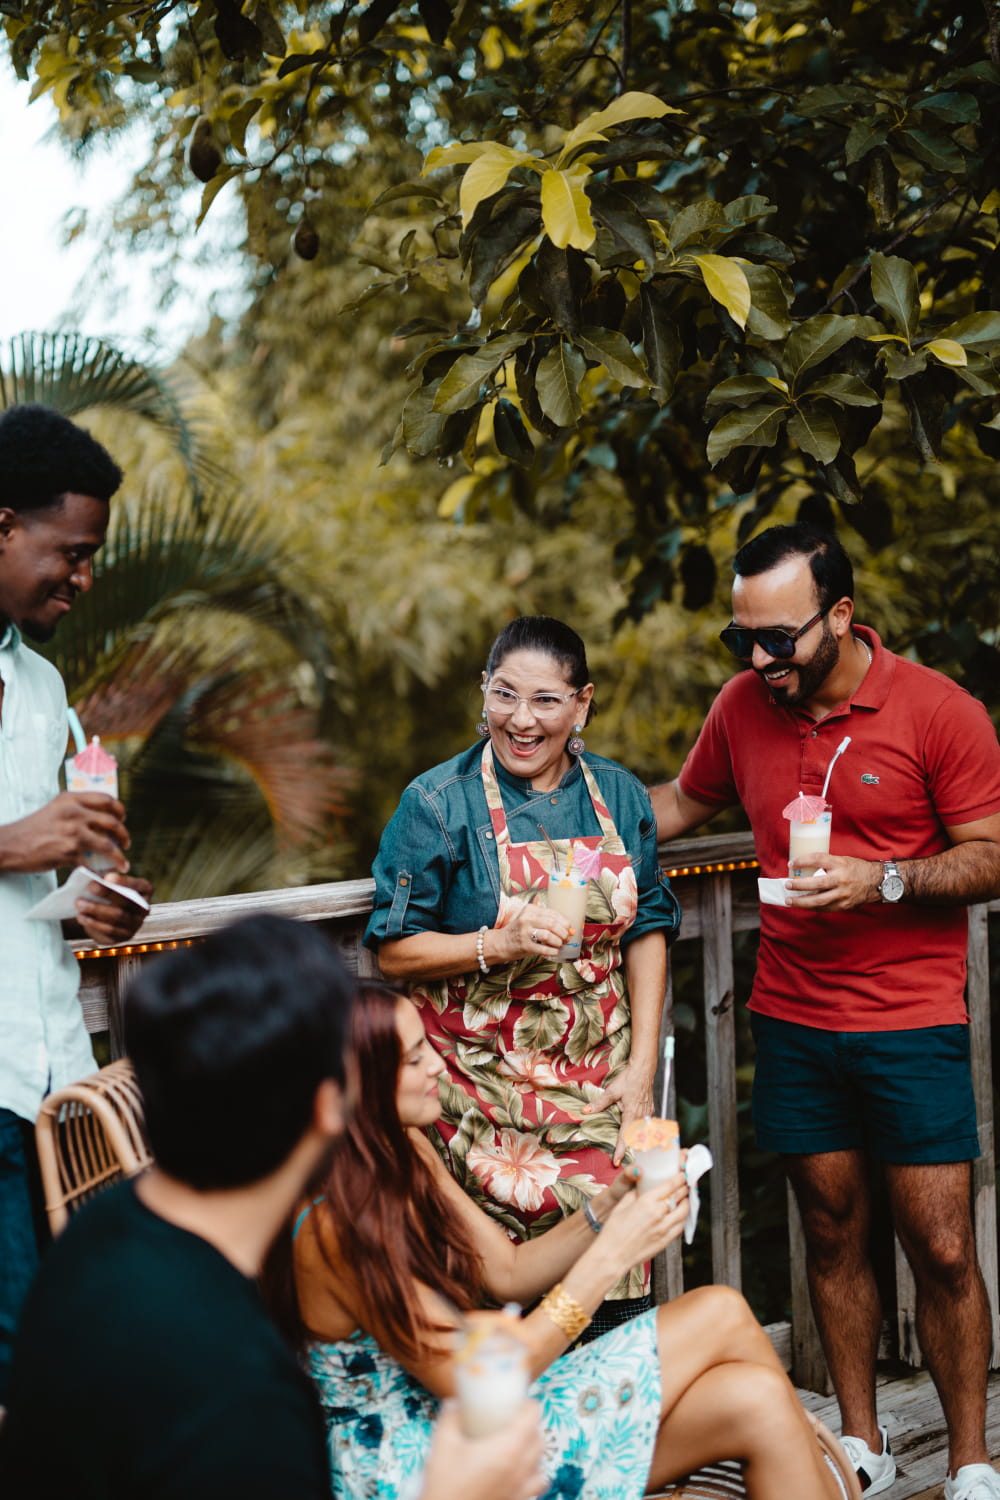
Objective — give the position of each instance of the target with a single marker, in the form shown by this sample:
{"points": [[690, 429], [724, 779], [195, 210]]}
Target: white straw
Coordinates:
{"points": [[833, 760], [76, 729], [668, 1057]]}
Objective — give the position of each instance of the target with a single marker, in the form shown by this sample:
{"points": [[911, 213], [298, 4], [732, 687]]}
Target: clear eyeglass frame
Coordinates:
{"points": [[502, 700]]}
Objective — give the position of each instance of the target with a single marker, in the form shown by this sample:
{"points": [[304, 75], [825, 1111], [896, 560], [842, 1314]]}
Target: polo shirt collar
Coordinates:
{"points": [[875, 686], [10, 638]]}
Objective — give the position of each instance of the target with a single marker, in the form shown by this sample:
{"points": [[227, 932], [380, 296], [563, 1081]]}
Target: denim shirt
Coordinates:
{"points": [[45, 1042], [437, 869]]}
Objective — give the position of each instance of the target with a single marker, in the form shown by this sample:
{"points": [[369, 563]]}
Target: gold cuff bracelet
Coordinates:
{"points": [[565, 1312]]}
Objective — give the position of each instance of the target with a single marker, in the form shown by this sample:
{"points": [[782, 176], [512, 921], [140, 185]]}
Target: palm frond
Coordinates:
{"points": [[73, 373]]}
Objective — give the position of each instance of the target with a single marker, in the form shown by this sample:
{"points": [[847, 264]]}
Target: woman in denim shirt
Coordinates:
{"points": [[548, 1057]]}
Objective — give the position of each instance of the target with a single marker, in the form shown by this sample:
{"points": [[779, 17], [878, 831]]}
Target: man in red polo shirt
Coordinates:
{"points": [[858, 1001]]}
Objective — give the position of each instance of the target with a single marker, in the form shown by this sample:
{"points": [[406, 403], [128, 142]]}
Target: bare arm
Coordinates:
{"points": [[535, 930], [677, 813], [646, 975], [969, 871]]}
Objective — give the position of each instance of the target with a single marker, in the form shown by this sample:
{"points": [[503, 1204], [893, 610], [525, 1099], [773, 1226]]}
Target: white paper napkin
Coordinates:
{"points": [[697, 1163], [775, 892], [60, 905]]}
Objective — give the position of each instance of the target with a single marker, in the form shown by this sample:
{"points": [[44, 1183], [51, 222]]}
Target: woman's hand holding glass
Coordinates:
{"points": [[639, 1226], [533, 932]]}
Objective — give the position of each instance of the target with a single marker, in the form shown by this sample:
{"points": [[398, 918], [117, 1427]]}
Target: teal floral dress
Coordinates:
{"points": [[600, 1405]]}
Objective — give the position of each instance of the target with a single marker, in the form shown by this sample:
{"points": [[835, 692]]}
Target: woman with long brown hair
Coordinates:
{"points": [[393, 1254]]}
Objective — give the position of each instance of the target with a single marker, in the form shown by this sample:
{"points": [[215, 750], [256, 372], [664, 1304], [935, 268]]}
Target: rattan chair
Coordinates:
{"points": [[723, 1481], [89, 1135]]}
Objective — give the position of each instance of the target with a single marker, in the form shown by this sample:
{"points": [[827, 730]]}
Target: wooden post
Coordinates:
{"points": [[809, 1368], [984, 1190], [123, 971], [716, 899]]}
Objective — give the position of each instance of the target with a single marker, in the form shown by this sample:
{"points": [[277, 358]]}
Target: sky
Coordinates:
{"points": [[44, 284]]}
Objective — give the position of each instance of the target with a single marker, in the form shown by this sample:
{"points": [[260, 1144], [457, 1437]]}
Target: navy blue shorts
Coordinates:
{"points": [[906, 1096]]}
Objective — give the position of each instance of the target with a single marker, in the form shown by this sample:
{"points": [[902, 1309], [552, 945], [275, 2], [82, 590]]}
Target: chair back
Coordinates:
{"points": [[89, 1135]]}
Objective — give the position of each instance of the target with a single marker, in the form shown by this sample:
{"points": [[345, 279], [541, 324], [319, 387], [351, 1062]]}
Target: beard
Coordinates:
{"points": [[36, 632], [809, 675]]}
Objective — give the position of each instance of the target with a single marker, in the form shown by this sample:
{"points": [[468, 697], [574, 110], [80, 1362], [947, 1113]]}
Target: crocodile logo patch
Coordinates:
{"points": [[869, 779]]}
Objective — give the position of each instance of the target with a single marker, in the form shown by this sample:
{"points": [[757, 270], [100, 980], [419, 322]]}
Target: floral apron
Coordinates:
{"points": [[529, 1044]]}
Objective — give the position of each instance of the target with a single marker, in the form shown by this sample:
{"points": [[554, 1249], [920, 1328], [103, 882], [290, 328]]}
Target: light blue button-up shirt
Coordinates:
{"points": [[43, 1040]]}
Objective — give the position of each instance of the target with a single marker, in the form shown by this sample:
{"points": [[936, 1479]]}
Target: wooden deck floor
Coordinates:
{"points": [[909, 1407]]}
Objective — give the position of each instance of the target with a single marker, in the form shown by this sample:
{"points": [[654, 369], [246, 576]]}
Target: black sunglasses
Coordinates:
{"points": [[740, 639]]}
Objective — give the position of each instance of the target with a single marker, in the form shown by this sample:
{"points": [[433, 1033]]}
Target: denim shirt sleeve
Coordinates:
{"points": [[412, 870], [659, 910]]}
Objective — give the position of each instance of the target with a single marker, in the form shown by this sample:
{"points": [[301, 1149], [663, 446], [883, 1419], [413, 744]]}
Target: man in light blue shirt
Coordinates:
{"points": [[56, 482]]}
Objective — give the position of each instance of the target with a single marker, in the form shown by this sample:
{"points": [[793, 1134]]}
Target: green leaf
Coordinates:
{"points": [[978, 328], [757, 427], [566, 209], [863, 138], [464, 381], [496, 243], [612, 349], [511, 435], [815, 431], [769, 317], [954, 109], [211, 191], [935, 149], [661, 340], [422, 425], [894, 287], [616, 213], [727, 283], [371, 20], [696, 221], [849, 390], [831, 99], [557, 383], [403, 190], [436, 16], [820, 337], [743, 390]]}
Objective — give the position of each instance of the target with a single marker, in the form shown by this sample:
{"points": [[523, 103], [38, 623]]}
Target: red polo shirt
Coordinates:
{"points": [[923, 756]]}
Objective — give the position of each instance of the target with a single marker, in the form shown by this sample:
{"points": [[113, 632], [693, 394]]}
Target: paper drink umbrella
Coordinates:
{"points": [[803, 809]]}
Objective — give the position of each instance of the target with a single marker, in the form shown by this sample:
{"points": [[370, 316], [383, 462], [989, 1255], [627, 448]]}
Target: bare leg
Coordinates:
{"points": [[725, 1395], [931, 1207], [750, 1413], [833, 1195]]}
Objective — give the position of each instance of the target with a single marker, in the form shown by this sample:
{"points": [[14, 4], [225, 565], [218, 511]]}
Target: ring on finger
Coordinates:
{"points": [[534, 934]]}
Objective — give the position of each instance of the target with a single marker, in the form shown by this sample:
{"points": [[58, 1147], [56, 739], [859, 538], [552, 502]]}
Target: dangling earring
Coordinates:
{"points": [[575, 744], [483, 728]]}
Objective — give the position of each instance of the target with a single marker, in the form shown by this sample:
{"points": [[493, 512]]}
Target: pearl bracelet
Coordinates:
{"points": [[591, 1217], [484, 966], [565, 1312]]}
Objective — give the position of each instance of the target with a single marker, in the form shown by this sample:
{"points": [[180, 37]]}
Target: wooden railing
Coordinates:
{"points": [[715, 879]]}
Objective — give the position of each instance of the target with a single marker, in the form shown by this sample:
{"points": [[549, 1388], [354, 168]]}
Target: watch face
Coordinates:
{"points": [[892, 888]]}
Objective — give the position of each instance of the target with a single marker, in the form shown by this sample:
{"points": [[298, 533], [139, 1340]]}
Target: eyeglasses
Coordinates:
{"points": [[543, 705], [740, 639]]}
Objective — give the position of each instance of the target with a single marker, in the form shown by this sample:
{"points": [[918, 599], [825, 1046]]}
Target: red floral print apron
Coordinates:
{"points": [[528, 1045]]}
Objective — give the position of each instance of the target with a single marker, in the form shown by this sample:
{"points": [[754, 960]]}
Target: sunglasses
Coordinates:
{"points": [[740, 639]]}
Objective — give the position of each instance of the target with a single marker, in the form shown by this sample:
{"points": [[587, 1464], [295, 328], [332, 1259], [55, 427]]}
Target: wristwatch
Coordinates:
{"points": [[891, 888]]}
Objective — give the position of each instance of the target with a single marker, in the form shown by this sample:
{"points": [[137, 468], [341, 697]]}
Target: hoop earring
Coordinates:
{"points": [[483, 728], [575, 744]]}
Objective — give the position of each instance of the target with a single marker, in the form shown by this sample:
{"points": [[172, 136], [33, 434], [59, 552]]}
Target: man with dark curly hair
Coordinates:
{"points": [[56, 483]]}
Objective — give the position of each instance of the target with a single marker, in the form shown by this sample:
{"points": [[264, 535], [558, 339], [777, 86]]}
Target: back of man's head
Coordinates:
{"points": [[830, 565], [230, 1041], [44, 456]]}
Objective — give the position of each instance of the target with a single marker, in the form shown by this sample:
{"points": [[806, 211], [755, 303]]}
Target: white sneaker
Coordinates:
{"points": [[877, 1471], [973, 1482]]}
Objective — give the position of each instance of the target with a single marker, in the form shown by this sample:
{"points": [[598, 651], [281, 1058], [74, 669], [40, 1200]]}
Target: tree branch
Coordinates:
{"points": [[904, 234]]}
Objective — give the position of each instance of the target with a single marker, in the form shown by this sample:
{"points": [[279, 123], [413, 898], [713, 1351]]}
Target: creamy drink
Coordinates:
{"points": [[656, 1146], [567, 893], [808, 841], [491, 1373], [93, 770]]}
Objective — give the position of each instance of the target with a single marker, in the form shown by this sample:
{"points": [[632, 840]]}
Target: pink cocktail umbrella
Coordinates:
{"points": [[587, 861], [803, 809]]}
